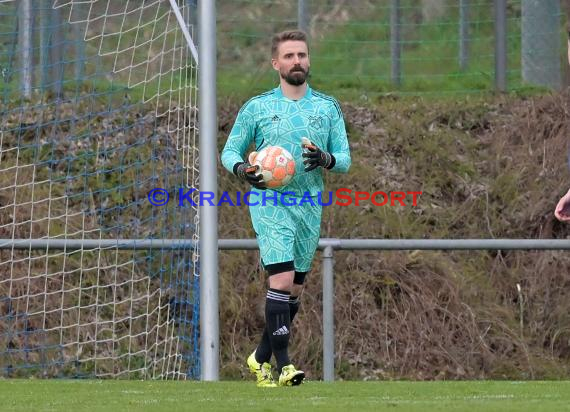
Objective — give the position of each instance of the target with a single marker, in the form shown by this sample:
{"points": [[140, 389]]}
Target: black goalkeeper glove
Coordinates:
{"points": [[315, 157], [247, 172]]}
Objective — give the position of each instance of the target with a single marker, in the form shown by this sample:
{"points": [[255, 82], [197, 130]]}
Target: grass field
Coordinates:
{"points": [[75, 395]]}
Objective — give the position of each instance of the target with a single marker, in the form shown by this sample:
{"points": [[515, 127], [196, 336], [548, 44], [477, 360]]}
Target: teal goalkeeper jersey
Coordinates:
{"points": [[271, 119]]}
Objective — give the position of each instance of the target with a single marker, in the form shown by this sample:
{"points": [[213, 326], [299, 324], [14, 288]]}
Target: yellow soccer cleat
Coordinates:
{"points": [[291, 376], [262, 372]]}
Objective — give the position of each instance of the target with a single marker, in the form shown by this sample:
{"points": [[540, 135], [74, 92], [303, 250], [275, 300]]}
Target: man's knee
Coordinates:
{"points": [[281, 275]]}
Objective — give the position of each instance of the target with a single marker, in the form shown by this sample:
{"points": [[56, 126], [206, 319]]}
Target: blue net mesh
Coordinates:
{"points": [[97, 109]]}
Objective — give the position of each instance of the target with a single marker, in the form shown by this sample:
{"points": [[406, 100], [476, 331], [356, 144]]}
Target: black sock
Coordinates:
{"points": [[277, 325], [263, 352], [293, 306]]}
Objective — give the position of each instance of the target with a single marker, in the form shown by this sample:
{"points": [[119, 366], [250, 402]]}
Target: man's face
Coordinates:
{"points": [[292, 62]]}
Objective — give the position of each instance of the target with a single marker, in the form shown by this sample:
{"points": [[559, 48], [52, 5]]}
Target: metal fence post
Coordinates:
{"points": [[57, 47], [463, 34], [26, 48], [328, 314], [192, 14], [79, 47], [302, 15], [540, 43], [395, 42], [501, 45], [45, 34]]}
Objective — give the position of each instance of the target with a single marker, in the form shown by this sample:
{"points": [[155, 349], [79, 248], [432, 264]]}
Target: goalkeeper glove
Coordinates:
{"points": [[247, 172], [315, 157]]}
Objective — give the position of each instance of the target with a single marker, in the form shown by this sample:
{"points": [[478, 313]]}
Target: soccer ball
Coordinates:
{"points": [[275, 164]]}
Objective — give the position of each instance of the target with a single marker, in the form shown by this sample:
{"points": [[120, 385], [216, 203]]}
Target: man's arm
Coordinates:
{"points": [[334, 157], [241, 136], [562, 211], [338, 142]]}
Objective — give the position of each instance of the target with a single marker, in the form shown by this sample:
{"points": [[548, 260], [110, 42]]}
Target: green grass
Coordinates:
{"points": [[67, 395]]}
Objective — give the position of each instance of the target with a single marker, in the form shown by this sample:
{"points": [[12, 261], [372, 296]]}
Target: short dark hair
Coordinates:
{"points": [[285, 36]]}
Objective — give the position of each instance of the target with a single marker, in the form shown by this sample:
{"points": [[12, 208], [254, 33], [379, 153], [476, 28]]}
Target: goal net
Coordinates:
{"points": [[98, 107]]}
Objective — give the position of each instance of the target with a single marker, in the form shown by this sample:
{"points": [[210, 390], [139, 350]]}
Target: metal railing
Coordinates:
{"points": [[327, 245]]}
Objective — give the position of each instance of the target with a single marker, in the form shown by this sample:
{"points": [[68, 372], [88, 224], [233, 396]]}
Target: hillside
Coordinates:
{"points": [[488, 168]]}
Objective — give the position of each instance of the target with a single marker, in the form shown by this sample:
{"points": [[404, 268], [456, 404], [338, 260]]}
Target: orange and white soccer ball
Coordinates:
{"points": [[276, 165]]}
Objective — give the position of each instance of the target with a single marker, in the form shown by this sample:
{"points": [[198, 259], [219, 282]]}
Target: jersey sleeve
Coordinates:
{"points": [[241, 136], [338, 142]]}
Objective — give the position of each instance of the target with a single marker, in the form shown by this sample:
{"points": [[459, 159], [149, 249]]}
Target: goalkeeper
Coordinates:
{"points": [[288, 236]]}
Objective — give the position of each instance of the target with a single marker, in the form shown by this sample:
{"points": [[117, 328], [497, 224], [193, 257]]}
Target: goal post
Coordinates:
{"points": [[111, 113], [209, 285]]}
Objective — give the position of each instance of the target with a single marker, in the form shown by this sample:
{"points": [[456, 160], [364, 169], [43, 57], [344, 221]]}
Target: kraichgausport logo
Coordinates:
{"points": [[341, 197]]}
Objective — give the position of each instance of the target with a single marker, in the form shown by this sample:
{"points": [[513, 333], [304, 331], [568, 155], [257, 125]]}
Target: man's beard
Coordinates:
{"points": [[295, 77]]}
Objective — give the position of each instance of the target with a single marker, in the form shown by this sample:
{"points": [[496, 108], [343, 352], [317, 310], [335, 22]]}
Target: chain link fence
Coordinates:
{"points": [[366, 48], [359, 48]]}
